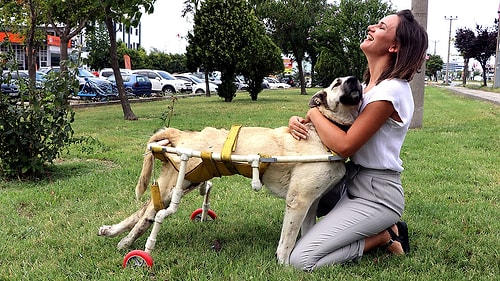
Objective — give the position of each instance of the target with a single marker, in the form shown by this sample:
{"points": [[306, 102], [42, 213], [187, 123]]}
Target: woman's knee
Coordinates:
{"points": [[298, 260]]}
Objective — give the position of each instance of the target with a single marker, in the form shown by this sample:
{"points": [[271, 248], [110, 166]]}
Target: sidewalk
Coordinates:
{"points": [[475, 94]]}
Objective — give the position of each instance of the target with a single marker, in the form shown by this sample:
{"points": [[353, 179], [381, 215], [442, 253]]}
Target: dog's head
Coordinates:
{"points": [[340, 101]]}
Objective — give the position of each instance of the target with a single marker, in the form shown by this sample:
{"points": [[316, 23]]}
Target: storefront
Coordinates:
{"points": [[48, 55]]}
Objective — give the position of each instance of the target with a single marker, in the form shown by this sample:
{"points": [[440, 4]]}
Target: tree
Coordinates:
{"points": [[129, 13], [192, 7], [464, 42], [174, 63], [222, 29], [433, 65], [290, 23], [68, 19], [261, 58], [25, 18], [98, 47], [339, 33], [138, 57], [484, 47]]}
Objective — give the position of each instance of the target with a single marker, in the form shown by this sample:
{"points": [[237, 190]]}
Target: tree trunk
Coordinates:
{"points": [[466, 71], [128, 114], [30, 46], [207, 85], [485, 79], [301, 77], [63, 49]]}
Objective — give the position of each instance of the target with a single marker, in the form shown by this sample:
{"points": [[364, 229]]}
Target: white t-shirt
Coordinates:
{"points": [[383, 149]]}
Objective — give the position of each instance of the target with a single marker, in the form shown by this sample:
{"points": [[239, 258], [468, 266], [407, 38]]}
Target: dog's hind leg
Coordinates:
{"points": [[125, 225], [140, 227]]}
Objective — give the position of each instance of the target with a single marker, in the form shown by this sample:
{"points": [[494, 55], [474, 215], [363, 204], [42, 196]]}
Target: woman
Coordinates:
{"points": [[367, 214]]}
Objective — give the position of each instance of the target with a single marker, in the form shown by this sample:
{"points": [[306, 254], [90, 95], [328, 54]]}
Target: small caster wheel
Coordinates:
{"points": [[137, 258], [196, 215]]}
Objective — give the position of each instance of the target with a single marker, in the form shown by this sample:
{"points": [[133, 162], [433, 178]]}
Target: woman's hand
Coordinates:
{"points": [[297, 128]]}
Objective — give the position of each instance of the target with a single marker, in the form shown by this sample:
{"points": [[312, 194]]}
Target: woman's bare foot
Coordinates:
{"points": [[394, 246], [394, 240]]}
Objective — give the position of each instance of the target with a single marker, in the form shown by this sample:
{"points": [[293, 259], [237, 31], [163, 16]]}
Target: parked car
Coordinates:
{"points": [[288, 80], [273, 83], [240, 83], [135, 84], [10, 85], [83, 75], [199, 86], [163, 81], [107, 72]]}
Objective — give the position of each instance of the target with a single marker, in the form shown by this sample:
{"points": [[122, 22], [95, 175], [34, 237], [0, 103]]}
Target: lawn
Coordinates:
{"points": [[48, 229]]}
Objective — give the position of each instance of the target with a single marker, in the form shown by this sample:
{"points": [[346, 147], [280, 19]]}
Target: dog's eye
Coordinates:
{"points": [[337, 83]]}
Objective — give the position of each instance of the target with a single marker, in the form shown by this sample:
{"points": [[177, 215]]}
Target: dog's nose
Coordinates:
{"points": [[352, 91]]}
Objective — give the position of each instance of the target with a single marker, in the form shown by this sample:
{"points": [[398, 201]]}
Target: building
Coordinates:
{"points": [[49, 54], [131, 36]]}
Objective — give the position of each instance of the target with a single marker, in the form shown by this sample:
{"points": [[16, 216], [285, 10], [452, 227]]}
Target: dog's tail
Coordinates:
{"points": [[162, 137], [147, 168]]}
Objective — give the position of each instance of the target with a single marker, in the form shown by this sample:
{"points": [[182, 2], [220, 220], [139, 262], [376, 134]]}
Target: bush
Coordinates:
{"points": [[35, 127]]}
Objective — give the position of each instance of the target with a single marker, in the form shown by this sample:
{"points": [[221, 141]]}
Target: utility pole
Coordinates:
{"points": [[496, 83], [435, 41], [449, 43]]}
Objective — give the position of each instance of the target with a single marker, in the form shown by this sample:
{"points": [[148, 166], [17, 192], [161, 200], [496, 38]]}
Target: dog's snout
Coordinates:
{"points": [[352, 91], [352, 80]]}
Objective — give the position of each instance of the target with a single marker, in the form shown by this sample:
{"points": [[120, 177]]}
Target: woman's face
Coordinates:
{"points": [[381, 37]]}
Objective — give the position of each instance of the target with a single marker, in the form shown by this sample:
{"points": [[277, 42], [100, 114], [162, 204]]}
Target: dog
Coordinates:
{"points": [[301, 184]]}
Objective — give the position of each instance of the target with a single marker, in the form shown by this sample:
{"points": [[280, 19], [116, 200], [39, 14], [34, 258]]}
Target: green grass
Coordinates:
{"points": [[48, 229]]}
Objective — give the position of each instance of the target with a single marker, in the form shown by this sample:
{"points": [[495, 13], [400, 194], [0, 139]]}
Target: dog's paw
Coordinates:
{"points": [[124, 243], [106, 230], [282, 258], [163, 142]]}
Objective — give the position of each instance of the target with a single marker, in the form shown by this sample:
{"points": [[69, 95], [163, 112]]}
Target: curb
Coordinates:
{"points": [[477, 95], [83, 104]]}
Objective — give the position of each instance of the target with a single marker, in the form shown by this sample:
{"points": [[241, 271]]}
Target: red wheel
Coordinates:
{"points": [[137, 258], [196, 215]]}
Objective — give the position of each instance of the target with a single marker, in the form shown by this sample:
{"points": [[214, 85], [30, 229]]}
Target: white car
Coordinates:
{"points": [[107, 72], [163, 81], [199, 86], [272, 83]]}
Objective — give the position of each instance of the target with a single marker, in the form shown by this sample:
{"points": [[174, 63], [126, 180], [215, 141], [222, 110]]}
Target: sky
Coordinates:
{"points": [[165, 29]]}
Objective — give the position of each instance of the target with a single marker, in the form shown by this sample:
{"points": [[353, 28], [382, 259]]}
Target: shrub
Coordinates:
{"points": [[35, 127]]}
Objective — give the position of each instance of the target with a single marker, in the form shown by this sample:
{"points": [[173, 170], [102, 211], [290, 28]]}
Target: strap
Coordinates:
{"points": [[229, 147]]}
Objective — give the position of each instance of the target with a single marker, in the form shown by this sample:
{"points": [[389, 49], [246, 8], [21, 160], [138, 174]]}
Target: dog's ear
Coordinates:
{"points": [[318, 99]]}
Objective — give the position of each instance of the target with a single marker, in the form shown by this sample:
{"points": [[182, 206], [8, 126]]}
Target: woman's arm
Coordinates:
{"points": [[344, 143]]}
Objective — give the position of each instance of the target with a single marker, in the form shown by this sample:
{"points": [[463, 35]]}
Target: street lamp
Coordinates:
{"points": [[496, 82], [449, 42]]}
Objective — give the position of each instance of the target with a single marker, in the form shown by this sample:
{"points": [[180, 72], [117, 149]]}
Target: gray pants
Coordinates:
{"points": [[372, 202]]}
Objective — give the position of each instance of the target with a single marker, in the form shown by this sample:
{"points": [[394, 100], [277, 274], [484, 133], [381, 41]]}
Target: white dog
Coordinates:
{"points": [[301, 184]]}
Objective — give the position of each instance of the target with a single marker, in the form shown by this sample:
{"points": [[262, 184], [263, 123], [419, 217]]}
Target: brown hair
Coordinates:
{"points": [[412, 41]]}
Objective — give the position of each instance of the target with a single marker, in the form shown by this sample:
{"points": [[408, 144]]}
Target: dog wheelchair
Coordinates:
{"points": [[139, 258]]}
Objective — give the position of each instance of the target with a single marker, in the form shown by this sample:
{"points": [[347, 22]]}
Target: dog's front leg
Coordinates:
{"points": [[310, 218], [296, 208]]}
